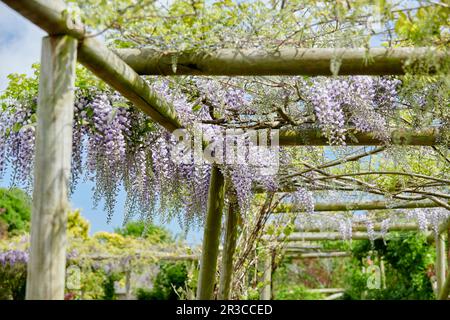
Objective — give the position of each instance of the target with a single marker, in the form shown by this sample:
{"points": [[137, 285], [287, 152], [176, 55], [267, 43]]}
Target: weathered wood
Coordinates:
{"points": [[376, 227], [53, 17], [266, 291], [228, 252], [157, 255], [368, 205], [314, 137], [326, 290], [334, 296], [285, 61], [441, 261], [211, 236], [46, 269], [445, 292], [318, 236], [318, 255]]}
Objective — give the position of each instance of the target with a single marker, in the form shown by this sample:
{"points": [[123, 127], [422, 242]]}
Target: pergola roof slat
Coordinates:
{"points": [[284, 61], [367, 205], [314, 137]]}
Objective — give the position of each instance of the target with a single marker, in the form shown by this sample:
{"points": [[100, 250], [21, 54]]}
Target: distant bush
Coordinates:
{"points": [[13, 274], [15, 210], [297, 292], [149, 231], [171, 278], [407, 258]]}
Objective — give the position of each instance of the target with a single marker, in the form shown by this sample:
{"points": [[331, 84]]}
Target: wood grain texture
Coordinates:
{"points": [[226, 272], [46, 269], [211, 236], [284, 61]]}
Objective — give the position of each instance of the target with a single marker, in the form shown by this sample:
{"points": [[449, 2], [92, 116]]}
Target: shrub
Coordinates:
{"points": [[170, 280], [13, 274], [149, 231], [297, 292], [15, 209], [407, 257]]}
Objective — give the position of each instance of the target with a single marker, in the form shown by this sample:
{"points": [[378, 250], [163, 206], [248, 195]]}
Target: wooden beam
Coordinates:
{"points": [[406, 137], [441, 261], [285, 61], [326, 290], [211, 236], [52, 16], [376, 227], [229, 248], [445, 292], [367, 205], [266, 291], [318, 255], [46, 269], [334, 296], [318, 236]]}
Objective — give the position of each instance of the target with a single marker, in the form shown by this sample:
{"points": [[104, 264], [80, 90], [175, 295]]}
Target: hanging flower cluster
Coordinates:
{"points": [[426, 219], [303, 200], [357, 101], [115, 146]]}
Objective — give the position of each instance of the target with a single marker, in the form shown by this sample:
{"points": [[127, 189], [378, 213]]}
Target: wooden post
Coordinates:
{"points": [[47, 265], [444, 293], [383, 274], [228, 252], [211, 236], [440, 261], [128, 284], [266, 293]]}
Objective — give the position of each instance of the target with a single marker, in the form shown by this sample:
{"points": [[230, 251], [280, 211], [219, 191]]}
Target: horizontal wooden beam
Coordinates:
{"points": [[317, 255], [157, 255], [314, 137], [52, 16], [285, 61], [318, 236], [376, 227], [326, 290], [352, 206]]}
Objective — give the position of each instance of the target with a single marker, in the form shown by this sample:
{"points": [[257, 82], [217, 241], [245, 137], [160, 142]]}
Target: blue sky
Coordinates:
{"points": [[20, 45]]}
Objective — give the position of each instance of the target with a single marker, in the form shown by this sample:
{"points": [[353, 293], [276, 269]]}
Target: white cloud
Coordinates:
{"points": [[20, 44]]}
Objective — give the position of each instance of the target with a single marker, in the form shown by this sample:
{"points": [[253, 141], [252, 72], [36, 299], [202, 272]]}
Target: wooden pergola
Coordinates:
{"points": [[361, 232], [68, 41]]}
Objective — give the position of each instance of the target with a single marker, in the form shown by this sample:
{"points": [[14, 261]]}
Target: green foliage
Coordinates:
{"points": [[425, 26], [15, 210], [108, 285], [77, 226], [150, 232], [13, 275], [407, 258], [296, 292], [22, 87], [13, 283], [169, 283]]}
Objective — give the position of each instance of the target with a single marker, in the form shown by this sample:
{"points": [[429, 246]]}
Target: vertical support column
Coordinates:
{"points": [[440, 261], [266, 293], [47, 265], [228, 252], [211, 236], [383, 274]]}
